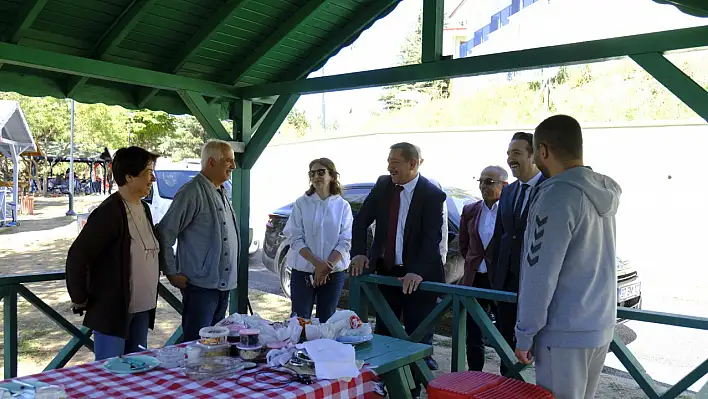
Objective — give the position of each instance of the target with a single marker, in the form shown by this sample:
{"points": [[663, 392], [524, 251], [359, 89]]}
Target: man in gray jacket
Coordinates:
{"points": [[568, 290], [204, 224]]}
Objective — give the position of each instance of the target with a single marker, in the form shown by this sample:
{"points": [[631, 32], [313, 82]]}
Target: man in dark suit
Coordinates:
{"points": [[477, 224], [506, 245], [407, 209]]}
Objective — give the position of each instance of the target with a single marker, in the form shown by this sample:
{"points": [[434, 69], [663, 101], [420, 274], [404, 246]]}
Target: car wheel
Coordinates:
{"points": [[285, 275]]}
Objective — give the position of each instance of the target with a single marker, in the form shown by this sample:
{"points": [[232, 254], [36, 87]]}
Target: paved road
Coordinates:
{"points": [[262, 279]]}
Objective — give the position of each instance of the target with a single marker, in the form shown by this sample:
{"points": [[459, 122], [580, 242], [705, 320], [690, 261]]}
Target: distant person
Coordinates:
{"points": [[319, 231], [568, 292], [476, 231], [407, 209], [202, 219], [112, 268], [505, 249]]}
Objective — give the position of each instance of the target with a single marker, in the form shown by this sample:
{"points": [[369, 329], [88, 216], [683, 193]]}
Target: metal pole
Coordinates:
{"points": [[71, 212]]}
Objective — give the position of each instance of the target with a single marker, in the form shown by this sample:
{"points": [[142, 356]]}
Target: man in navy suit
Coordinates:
{"points": [[407, 209], [506, 244]]}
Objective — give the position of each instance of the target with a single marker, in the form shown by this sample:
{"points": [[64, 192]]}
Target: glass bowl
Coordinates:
{"points": [[212, 368], [170, 357]]}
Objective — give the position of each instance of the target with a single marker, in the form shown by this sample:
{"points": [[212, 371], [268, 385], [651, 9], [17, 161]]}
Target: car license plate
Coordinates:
{"points": [[628, 292]]}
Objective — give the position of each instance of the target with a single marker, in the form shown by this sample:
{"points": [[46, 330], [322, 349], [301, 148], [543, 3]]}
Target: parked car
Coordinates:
{"points": [[169, 178], [275, 247]]}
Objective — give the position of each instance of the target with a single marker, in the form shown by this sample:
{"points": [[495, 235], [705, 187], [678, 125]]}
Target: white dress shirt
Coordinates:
{"points": [[487, 221], [322, 226], [406, 197], [531, 183]]}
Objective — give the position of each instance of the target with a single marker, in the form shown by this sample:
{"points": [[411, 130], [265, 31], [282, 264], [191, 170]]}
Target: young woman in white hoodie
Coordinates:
{"points": [[319, 231]]}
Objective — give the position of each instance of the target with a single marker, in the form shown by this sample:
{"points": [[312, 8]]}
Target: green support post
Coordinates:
{"points": [[676, 81], [459, 335], [241, 199], [10, 332], [433, 21]]}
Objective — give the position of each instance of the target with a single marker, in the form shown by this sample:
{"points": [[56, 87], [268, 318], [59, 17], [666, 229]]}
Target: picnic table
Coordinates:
{"points": [[384, 358]]}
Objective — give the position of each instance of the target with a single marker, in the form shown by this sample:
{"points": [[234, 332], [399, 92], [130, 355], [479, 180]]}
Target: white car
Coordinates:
{"points": [[169, 178]]}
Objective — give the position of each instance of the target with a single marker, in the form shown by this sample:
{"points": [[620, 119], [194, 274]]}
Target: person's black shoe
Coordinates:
{"points": [[432, 364]]}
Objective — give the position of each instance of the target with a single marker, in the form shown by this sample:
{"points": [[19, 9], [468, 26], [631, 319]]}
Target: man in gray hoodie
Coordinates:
{"points": [[568, 288]]}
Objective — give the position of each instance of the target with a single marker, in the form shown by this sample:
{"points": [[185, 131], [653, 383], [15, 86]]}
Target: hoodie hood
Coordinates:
{"points": [[603, 192], [316, 198]]}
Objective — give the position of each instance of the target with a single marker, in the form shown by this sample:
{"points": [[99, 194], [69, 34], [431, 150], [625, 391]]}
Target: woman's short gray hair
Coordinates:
{"points": [[214, 149]]}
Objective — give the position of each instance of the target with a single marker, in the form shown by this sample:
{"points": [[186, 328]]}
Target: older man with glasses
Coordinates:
{"points": [[476, 230]]}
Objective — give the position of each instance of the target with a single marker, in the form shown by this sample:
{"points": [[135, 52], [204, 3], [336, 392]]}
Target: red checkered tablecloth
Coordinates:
{"points": [[91, 380]]}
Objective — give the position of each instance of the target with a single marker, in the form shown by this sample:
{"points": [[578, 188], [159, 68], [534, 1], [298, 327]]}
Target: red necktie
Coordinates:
{"points": [[390, 248]]}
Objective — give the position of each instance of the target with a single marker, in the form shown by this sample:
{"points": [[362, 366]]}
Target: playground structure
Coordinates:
{"points": [[195, 57], [15, 138]]}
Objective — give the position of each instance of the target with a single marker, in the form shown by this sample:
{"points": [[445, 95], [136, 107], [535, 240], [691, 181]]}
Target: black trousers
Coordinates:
{"points": [[414, 307], [475, 344]]}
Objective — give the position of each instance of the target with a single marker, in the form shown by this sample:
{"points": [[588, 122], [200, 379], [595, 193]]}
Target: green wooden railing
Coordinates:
{"points": [[364, 292], [12, 286]]}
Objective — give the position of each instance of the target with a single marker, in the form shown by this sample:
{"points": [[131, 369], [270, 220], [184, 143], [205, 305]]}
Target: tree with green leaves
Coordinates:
{"points": [[405, 95]]}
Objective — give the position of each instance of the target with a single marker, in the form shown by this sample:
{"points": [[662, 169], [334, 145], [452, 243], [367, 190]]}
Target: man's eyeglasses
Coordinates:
{"points": [[318, 172], [488, 182]]}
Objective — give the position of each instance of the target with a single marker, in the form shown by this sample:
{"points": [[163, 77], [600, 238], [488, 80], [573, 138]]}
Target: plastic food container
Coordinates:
{"points": [[249, 337], [250, 353], [213, 335], [213, 368], [198, 351]]}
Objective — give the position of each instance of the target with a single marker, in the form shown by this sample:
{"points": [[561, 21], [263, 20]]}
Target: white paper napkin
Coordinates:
{"points": [[333, 360]]}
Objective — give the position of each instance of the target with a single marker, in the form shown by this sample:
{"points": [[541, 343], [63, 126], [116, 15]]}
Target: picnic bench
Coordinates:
{"points": [[392, 358]]}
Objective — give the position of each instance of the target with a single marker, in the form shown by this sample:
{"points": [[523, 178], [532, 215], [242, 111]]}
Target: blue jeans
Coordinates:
{"points": [[106, 346], [202, 307], [303, 295]]}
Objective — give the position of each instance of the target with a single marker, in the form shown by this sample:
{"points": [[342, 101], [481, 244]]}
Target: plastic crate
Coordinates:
{"points": [[479, 385]]}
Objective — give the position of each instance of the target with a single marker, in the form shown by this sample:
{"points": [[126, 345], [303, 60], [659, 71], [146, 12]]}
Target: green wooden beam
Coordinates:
{"points": [[596, 50], [420, 331], [10, 332], [433, 21], [650, 316], [170, 298], [201, 110], [634, 368], [24, 19], [54, 316], [259, 115], [392, 323], [272, 41], [277, 114], [340, 38], [121, 27], [102, 70], [676, 81], [686, 382], [68, 351], [205, 32], [175, 338]]}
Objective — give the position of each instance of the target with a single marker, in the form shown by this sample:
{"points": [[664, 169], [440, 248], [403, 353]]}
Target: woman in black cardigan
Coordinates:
{"points": [[112, 267]]}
